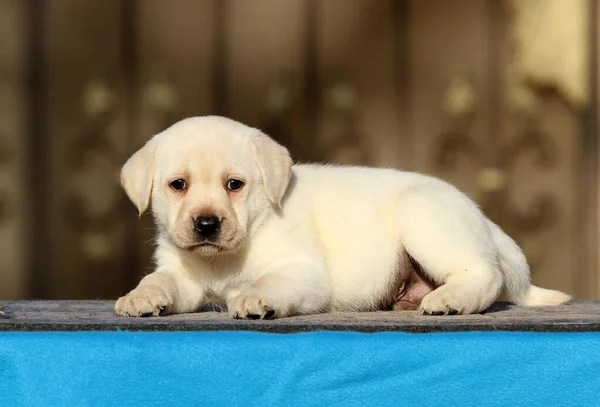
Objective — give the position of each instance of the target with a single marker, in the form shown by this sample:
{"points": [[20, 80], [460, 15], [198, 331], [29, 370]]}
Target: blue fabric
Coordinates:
{"points": [[308, 369]]}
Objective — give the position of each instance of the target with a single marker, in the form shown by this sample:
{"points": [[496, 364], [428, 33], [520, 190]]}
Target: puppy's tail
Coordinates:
{"points": [[517, 284]]}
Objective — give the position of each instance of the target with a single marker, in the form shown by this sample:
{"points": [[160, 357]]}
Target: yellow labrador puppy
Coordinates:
{"points": [[240, 225]]}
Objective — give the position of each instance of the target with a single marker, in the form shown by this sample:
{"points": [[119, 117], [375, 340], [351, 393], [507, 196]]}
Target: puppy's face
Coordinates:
{"points": [[204, 190], [211, 180]]}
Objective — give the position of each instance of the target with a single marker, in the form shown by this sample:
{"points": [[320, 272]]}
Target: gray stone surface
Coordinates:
{"points": [[97, 316]]}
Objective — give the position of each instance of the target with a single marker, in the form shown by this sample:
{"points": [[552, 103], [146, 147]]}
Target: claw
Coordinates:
{"points": [[435, 313]]}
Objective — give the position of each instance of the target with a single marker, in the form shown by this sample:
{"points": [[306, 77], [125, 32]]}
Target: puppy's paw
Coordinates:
{"points": [[144, 302], [252, 304], [446, 301]]}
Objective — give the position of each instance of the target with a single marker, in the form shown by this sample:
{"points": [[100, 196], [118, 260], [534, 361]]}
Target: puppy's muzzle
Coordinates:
{"points": [[207, 226]]}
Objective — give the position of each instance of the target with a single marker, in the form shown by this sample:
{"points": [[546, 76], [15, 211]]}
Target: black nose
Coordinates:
{"points": [[207, 226]]}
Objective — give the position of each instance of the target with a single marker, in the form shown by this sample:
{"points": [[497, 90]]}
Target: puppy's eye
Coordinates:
{"points": [[234, 184], [178, 185]]}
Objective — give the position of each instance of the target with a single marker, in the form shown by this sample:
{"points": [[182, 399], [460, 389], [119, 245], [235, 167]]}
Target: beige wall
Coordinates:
{"points": [[13, 183]]}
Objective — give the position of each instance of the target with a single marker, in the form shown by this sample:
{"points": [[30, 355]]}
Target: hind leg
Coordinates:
{"points": [[449, 237], [461, 295]]}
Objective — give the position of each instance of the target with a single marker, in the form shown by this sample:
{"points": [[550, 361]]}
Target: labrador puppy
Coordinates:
{"points": [[241, 226]]}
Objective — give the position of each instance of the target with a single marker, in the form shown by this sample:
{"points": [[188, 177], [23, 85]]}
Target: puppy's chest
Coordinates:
{"points": [[220, 288], [224, 281]]}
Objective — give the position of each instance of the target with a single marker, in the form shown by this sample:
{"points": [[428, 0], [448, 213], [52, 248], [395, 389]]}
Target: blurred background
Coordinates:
{"points": [[499, 97]]}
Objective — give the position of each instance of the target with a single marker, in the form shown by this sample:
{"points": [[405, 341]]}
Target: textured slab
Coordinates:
{"points": [[97, 316]]}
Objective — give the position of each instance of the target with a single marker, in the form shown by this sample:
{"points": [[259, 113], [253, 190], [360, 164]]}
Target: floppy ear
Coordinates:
{"points": [[137, 176], [274, 163]]}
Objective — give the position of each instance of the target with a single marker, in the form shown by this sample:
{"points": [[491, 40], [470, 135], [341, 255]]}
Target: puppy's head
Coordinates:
{"points": [[210, 179]]}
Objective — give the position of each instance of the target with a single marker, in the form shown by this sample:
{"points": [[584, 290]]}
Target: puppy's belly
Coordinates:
{"points": [[402, 288], [410, 293]]}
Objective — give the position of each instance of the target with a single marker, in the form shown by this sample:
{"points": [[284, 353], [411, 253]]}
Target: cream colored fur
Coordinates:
{"points": [[307, 238]]}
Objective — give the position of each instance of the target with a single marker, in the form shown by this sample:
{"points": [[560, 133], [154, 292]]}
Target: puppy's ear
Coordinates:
{"points": [[274, 163], [137, 176]]}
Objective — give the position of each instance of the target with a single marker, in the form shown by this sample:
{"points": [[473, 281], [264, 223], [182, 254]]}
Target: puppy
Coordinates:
{"points": [[241, 226]]}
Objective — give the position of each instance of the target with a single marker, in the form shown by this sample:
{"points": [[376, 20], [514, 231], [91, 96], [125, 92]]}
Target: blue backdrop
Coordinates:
{"points": [[319, 368]]}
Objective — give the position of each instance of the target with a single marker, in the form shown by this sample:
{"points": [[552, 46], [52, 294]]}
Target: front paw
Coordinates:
{"points": [[144, 302], [253, 305]]}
